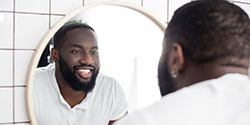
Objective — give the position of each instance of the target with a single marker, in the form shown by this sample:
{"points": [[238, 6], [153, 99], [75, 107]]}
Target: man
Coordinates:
{"points": [[72, 91], [203, 70]]}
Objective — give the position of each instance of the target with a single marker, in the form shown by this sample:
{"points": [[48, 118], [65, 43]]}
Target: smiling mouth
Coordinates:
{"points": [[85, 72]]}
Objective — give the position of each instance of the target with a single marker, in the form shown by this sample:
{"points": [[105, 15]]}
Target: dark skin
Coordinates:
{"points": [[76, 49], [190, 73], [79, 47]]}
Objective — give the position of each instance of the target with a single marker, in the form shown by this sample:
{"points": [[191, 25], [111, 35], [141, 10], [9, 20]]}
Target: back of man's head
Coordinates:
{"points": [[210, 30], [204, 40]]}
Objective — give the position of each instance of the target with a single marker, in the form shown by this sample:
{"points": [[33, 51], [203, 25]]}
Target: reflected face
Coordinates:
{"points": [[165, 80], [79, 60]]}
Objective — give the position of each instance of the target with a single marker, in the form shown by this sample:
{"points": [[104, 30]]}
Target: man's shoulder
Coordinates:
{"points": [[50, 66], [175, 107], [46, 69], [105, 79], [106, 83], [43, 74], [202, 100]]}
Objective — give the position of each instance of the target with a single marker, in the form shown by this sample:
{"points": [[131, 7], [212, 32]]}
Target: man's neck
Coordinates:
{"points": [[198, 73], [71, 96]]}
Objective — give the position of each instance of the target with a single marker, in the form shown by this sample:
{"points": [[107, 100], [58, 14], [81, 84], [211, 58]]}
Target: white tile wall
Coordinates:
{"points": [[20, 105], [22, 57], [54, 19], [6, 30], [6, 106], [23, 124], [173, 5], [29, 29], [158, 8], [65, 6], [6, 5], [6, 66], [133, 2], [37, 6], [94, 1]]}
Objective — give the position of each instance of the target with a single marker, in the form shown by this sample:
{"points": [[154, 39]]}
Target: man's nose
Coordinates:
{"points": [[86, 59]]}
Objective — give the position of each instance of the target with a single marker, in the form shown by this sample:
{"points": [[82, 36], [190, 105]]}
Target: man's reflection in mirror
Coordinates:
{"points": [[71, 91]]}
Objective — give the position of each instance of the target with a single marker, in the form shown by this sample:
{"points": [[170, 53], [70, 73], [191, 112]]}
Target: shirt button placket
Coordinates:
{"points": [[71, 117]]}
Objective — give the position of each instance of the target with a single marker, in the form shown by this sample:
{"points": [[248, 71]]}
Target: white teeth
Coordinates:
{"points": [[84, 70], [84, 73]]}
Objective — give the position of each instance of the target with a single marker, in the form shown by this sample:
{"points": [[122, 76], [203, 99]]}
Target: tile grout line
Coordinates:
{"points": [[13, 62], [31, 13], [11, 123], [17, 86], [49, 14], [167, 10], [17, 49]]}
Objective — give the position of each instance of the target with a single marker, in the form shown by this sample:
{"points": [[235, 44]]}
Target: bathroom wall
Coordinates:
{"points": [[24, 22]]}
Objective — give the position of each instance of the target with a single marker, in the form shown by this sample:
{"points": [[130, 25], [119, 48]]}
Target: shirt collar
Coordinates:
{"points": [[83, 105]]}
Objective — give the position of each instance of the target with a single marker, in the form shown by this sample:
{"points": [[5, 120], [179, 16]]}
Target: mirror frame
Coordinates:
{"points": [[50, 33]]}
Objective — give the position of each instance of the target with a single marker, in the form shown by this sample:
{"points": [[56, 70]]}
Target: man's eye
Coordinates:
{"points": [[95, 52], [76, 52]]}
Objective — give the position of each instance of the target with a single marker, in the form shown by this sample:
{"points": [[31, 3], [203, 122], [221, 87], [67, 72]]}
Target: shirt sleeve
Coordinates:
{"points": [[120, 104]]}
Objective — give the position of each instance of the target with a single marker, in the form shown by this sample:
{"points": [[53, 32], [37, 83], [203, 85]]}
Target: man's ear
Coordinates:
{"points": [[176, 58], [54, 54]]}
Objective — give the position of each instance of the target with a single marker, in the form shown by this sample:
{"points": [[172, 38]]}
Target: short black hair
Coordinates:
{"points": [[57, 39], [209, 30]]}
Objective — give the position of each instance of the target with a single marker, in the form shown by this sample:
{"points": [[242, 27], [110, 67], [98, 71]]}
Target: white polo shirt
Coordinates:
{"points": [[105, 103], [221, 101]]}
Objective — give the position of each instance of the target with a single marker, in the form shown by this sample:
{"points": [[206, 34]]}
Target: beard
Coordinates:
{"points": [[165, 80], [72, 79]]}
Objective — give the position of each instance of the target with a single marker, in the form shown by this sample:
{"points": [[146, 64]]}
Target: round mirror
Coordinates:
{"points": [[129, 40]]}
